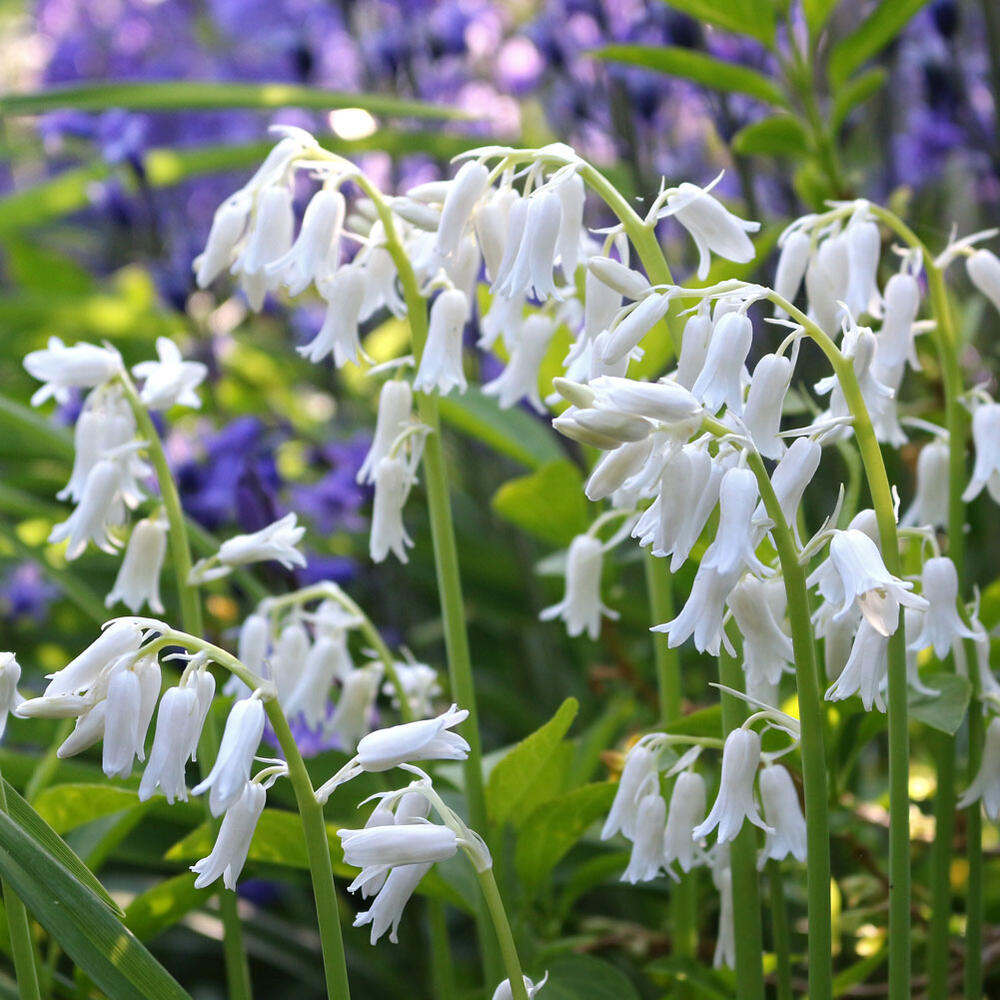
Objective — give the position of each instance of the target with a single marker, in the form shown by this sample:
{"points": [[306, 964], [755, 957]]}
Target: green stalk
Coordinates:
{"points": [[494, 904], [780, 932], [442, 967], [743, 859], [21, 946], [234, 952], [974, 839]]}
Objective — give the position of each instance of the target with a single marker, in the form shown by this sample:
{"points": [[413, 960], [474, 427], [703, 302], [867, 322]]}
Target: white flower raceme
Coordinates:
{"points": [[395, 414], [941, 622], [687, 810], [855, 572], [757, 607], [986, 438], [232, 845], [782, 812], [702, 614], [231, 770], [720, 382], [986, 784], [732, 550], [866, 670], [504, 991], [983, 268], [647, 846], [712, 226], [171, 381], [10, 675], [762, 414], [581, 607], [315, 254], [388, 533], [277, 541], [519, 380], [138, 579], [735, 801], [61, 368], [344, 293], [638, 773], [930, 500], [440, 366], [270, 238]]}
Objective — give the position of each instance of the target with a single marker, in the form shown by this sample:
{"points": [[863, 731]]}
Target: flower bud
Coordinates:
{"points": [[620, 277], [138, 579], [762, 415], [783, 812], [441, 364], [792, 263], [647, 847], [720, 382], [581, 608], [388, 533], [625, 336], [983, 268], [467, 187], [687, 810], [735, 801]]}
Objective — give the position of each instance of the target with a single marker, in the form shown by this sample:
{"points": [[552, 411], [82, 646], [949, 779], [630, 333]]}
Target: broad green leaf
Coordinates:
{"points": [[511, 432], [696, 66], [97, 942], [817, 13], [710, 984], [65, 807], [856, 91], [25, 422], [744, 17], [552, 829], [778, 135], [160, 907], [202, 95], [516, 772], [704, 722], [583, 977], [548, 504], [945, 710], [885, 22], [46, 839]]}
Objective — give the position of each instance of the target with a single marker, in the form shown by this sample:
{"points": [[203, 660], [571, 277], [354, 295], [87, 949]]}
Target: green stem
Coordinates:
{"points": [[780, 932], [21, 946], [512, 964], [813, 719], [974, 839], [442, 968], [318, 854], [743, 859]]}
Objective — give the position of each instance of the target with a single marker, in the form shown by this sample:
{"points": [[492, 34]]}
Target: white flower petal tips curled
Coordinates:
{"points": [[735, 801], [61, 368], [229, 854], [441, 364], [171, 381], [231, 769], [986, 784], [986, 437], [783, 812], [10, 675], [138, 579], [277, 541], [504, 991], [646, 859], [581, 608], [687, 810], [429, 739]]}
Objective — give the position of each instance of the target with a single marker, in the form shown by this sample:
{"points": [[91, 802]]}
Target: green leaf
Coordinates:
{"points": [[88, 932], [204, 95], [511, 432], [65, 807], [856, 91], [817, 13], [583, 977], [160, 907], [548, 504], [697, 66], [778, 135], [945, 710], [710, 984], [744, 17], [704, 722], [516, 772], [552, 829], [886, 21], [49, 841]]}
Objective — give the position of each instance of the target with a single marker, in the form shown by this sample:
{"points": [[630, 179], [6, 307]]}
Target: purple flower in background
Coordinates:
{"points": [[25, 593], [334, 501]]}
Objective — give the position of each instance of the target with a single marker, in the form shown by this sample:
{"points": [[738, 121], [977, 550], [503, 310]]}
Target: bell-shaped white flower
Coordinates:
{"points": [[88, 730], [733, 547], [252, 648], [983, 268], [380, 283], [386, 911], [624, 337], [315, 253], [712, 226], [702, 614], [864, 244], [687, 810], [328, 659], [615, 467], [464, 191], [61, 368], [232, 845], [986, 784], [270, 238], [531, 269], [440, 366], [121, 724], [10, 698], [986, 438], [350, 720], [694, 347], [572, 194], [171, 381], [735, 801], [638, 773], [377, 849], [622, 278], [100, 508], [866, 671], [720, 382], [912, 623], [602, 428], [177, 732], [646, 859], [600, 305], [792, 263], [395, 413], [581, 607], [420, 685], [519, 380], [664, 402], [138, 579], [725, 942], [757, 607], [895, 338], [277, 541], [289, 659], [120, 639], [428, 739], [793, 473], [504, 991], [491, 220], [827, 276], [228, 225], [941, 624], [344, 293], [765, 400], [782, 812], [231, 770], [388, 533], [930, 500]]}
